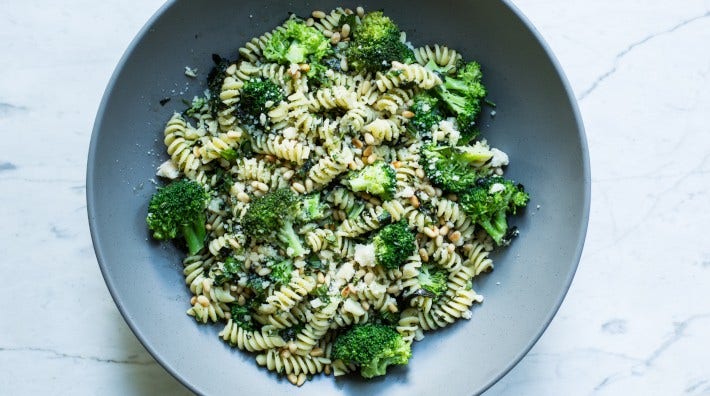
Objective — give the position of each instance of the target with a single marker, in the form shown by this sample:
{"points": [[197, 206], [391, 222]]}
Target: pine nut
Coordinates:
{"points": [[357, 143], [335, 38], [305, 67], [328, 33], [326, 369], [299, 187], [419, 172], [288, 174], [206, 285], [439, 240], [424, 255], [455, 236], [262, 186], [444, 230], [204, 301], [365, 305], [451, 248], [414, 201], [369, 277], [292, 378], [369, 139], [360, 12], [407, 114], [193, 300], [318, 14], [228, 315], [285, 354], [292, 347], [372, 158], [396, 164], [366, 153], [301, 379], [321, 278], [431, 232], [243, 197], [317, 352], [310, 22], [345, 31]]}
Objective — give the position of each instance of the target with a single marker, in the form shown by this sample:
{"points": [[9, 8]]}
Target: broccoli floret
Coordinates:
{"points": [[258, 96], [489, 204], [297, 43], [432, 281], [272, 216], [451, 168], [427, 115], [196, 106], [393, 244], [179, 209], [377, 179], [242, 317], [311, 208], [281, 272], [373, 347], [375, 44], [463, 94]]}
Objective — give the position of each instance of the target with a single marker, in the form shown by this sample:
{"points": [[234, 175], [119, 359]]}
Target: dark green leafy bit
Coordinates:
{"points": [[490, 202], [373, 347], [377, 179], [452, 168], [322, 293], [258, 96], [215, 78], [290, 333], [229, 272], [393, 244], [376, 44], [242, 317], [297, 43], [179, 209]]}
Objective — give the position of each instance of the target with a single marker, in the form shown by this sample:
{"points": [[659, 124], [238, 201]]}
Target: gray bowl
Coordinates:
{"points": [[537, 124]]}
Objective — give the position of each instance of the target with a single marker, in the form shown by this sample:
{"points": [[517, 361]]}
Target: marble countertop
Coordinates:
{"points": [[636, 320]]}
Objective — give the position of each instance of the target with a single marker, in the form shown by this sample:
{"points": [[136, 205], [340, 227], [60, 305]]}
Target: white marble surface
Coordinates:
{"points": [[636, 320]]}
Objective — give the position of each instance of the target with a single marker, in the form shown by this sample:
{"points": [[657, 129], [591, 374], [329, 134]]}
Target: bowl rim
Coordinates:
{"points": [[95, 238]]}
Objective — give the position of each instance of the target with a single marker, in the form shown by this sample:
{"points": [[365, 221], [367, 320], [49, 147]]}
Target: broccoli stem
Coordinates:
{"points": [[288, 236], [195, 234], [496, 227]]}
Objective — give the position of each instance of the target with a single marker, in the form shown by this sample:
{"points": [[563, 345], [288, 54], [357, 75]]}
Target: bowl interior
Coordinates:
{"points": [[536, 123]]}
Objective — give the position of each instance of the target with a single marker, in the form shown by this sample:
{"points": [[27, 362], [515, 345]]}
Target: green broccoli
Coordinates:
{"points": [[297, 43], [373, 347], [273, 215], [242, 317], [393, 244], [462, 94], [377, 179], [376, 43], [258, 96], [280, 272], [312, 208], [432, 281], [427, 115], [179, 208], [323, 293], [451, 168], [489, 204]]}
